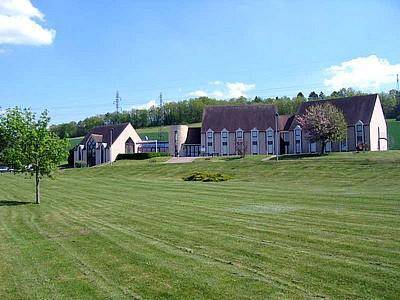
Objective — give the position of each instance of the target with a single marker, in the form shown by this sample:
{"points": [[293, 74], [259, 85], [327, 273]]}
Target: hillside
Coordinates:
{"points": [[312, 228]]}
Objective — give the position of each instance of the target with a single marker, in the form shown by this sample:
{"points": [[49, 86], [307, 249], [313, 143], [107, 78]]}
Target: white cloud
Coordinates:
{"points": [[363, 73], [238, 89], [199, 93], [146, 105], [226, 90], [19, 24]]}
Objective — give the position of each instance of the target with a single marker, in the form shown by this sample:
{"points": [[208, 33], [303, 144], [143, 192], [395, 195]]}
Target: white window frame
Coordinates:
{"points": [[270, 138], [239, 138], [210, 149], [296, 129], [224, 131], [255, 139], [362, 132]]}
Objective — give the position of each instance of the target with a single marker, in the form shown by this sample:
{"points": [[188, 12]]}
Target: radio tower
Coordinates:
{"points": [[161, 117], [117, 102]]}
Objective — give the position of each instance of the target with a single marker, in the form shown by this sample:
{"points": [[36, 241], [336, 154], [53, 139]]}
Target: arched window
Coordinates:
{"points": [[359, 132], [129, 146], [224, 142], [297, 139], [270, 141]]}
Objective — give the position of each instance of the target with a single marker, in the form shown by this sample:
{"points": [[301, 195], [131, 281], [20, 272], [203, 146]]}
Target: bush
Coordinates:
{"points": [[398, 118], [140, 156], [207, 177], [80, 164]]}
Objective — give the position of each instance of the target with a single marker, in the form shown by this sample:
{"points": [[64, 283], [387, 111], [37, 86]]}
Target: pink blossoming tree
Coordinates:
{"points": [[323, 123]]}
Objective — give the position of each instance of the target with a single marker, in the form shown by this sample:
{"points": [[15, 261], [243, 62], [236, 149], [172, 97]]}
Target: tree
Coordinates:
{"points": [[323, 123], [321, 95], [29, 146], [313, 96]]}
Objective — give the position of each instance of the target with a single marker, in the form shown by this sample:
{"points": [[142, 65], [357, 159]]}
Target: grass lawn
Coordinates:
{"points": [[394, 133], [326, 227]]}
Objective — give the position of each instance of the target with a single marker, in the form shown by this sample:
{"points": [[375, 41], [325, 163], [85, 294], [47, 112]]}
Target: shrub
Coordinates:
{"points": [[80, 164], [140, 156], [207, 177]]}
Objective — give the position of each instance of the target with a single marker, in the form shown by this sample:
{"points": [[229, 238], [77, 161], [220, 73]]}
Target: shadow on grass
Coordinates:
{"points": [[13, 203], [232, 158]]}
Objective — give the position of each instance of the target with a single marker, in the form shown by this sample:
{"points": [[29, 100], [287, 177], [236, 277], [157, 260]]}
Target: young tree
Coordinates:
{"points": [[323, 123], [29, 146]]}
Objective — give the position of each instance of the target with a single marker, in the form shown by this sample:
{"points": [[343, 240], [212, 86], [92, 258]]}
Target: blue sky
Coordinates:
{"points": [[70, 56]]}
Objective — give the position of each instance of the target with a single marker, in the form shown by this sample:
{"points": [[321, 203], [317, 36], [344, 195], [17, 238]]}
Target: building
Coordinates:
{"points": [[102, 144], [258, 129]]}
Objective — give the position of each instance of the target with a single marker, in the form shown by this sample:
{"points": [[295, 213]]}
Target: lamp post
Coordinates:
{"points": [[276, 135]]}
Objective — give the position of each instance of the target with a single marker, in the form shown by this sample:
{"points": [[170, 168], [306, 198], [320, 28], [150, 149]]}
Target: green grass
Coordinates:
{"points": [[394, 134], [326, 227]]}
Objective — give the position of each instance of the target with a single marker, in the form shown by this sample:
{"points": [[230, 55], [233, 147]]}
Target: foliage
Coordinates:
{"points": [[207, 177], [190, 111], [28, 145], [140, 156], [323, 123], [71, 157]]}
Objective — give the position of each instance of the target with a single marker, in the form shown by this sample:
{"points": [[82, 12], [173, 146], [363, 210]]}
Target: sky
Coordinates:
{"points": [[71, 56]]}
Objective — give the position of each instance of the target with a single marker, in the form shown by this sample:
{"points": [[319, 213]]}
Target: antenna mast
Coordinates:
{"points": [[117, 102], [161, 116]]}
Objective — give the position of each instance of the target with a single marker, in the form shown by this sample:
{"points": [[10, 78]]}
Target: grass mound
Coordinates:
{"points": [[207, 177]]}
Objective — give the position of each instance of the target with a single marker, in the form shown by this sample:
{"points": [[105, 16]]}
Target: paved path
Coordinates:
{"points": [[180, 160]]}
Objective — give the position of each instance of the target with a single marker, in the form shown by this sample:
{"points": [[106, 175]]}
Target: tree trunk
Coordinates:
{"points": [[37, 185], [322, 148]]}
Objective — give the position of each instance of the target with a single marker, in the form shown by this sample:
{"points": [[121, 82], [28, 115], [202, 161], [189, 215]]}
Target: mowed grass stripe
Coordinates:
{"points": [[330, 232]]}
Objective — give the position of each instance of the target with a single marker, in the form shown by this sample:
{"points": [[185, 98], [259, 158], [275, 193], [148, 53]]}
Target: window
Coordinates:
{"points": [[297, 139], [359, 133], [254, 141], [210, 141], [224, 142], [270, 141], [239, 134]]}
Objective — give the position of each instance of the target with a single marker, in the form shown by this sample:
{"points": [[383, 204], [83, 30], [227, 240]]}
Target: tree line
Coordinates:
{"points": [[191, 111]]}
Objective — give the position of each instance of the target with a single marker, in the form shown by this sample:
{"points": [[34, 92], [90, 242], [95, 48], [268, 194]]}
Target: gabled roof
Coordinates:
{"points": [[193, 136], [354, 108], [232, 117], [102, 134], [284, 122]]}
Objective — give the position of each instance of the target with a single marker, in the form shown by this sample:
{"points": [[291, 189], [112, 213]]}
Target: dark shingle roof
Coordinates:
{"points": [[354, 108], [232, 118], [102, 133], [285, 121], [193, 136]]}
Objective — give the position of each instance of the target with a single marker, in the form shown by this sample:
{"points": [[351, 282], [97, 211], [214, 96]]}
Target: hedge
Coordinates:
{"points": [[140, 156], [207, 177]]}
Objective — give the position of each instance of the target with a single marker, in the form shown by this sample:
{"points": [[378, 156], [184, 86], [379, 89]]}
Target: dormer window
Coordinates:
{"points": [[224, 142], [270, 141], [254, 141], [239, 134]]}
